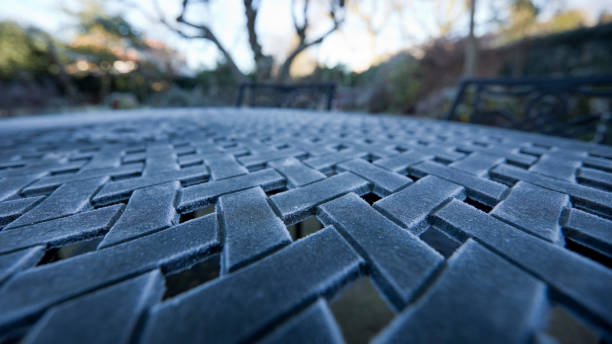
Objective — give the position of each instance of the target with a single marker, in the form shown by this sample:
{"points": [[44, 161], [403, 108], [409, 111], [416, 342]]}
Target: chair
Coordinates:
{"points": [[574, 107]]}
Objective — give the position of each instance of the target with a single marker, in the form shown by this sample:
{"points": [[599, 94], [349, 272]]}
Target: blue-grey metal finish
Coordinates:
{"points": [[468, 233]]}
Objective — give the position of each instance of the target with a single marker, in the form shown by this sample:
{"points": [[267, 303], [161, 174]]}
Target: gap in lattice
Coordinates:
{"points": [[478, 205], [12, 166], [412, 176], [587, 252], [445, 244], [56, 254], [361, 312], [594, 184], [82, 158], [587, 207], [186, 153], [242, 154], [304, 228], [255, 168], [197, 213], [565, 327], [502, 180], [302, 157], [526, 152], [135, 151], [191, 164], [43, 191], [597, 167], [123, 200], [520, 165], [371, 198], [596, 155], [330, 172], [371, 158], [198, 274], [541, 145], [140, 159], [134, 162], [442, 161], [271, 193], [194, 181], [126, 176], [89, 150], [64, 172], [462, 150]]}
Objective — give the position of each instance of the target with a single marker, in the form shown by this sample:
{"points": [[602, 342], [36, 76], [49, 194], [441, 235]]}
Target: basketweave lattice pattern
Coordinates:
{"points": [[475, 234]]}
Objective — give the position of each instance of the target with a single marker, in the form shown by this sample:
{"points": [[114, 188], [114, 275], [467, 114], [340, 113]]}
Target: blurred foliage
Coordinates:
{"points": [[391, 86], [339, 74], [107, 57], [220, 77], [523, 21], [523, 18], [565, 21], [23, 52], [108, 62]]}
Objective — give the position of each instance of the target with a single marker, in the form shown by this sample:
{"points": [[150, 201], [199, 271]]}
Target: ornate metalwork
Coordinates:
{"points": [[183, 226], [577, 107]]}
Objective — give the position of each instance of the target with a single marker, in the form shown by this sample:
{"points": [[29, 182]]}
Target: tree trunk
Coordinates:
{"points": [[283, 75], [263, 63], [471, 48]]}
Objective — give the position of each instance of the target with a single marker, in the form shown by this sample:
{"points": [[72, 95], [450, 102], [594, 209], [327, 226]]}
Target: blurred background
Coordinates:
{"points": [[393, 56]]}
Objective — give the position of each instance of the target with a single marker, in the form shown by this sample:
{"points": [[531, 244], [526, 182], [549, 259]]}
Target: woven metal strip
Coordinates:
{"points": [[240, 225]]}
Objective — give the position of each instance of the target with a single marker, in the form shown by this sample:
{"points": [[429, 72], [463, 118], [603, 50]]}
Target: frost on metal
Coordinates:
{"points": [[196, 226]]}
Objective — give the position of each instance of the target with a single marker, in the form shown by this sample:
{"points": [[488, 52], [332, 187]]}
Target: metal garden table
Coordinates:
{"points": [[237, 225]]}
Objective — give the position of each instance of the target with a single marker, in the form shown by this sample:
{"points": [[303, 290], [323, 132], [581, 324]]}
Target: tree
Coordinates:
{"points": [[263, 63], [102, 40], [471, 48], [522, 20], [31, 53]]}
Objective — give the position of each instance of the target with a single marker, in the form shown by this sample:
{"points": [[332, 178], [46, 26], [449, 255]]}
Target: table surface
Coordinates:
{"points": [[239, 225]]}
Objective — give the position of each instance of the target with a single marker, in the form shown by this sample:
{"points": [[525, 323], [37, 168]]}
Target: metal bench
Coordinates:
{"points": [[577, 107], [314, 96]]}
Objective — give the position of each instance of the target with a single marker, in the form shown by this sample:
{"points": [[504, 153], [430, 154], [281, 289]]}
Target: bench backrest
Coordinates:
{"points": [[575, 107]]}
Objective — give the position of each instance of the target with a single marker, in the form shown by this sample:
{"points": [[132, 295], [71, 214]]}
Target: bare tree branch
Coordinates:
{"points": [[300, 29], [251, 11], [204, 33], [263, 63], [335, 7]]}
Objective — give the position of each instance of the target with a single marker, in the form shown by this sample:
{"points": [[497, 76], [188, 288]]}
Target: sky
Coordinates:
{"points": [[351, 46]]}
